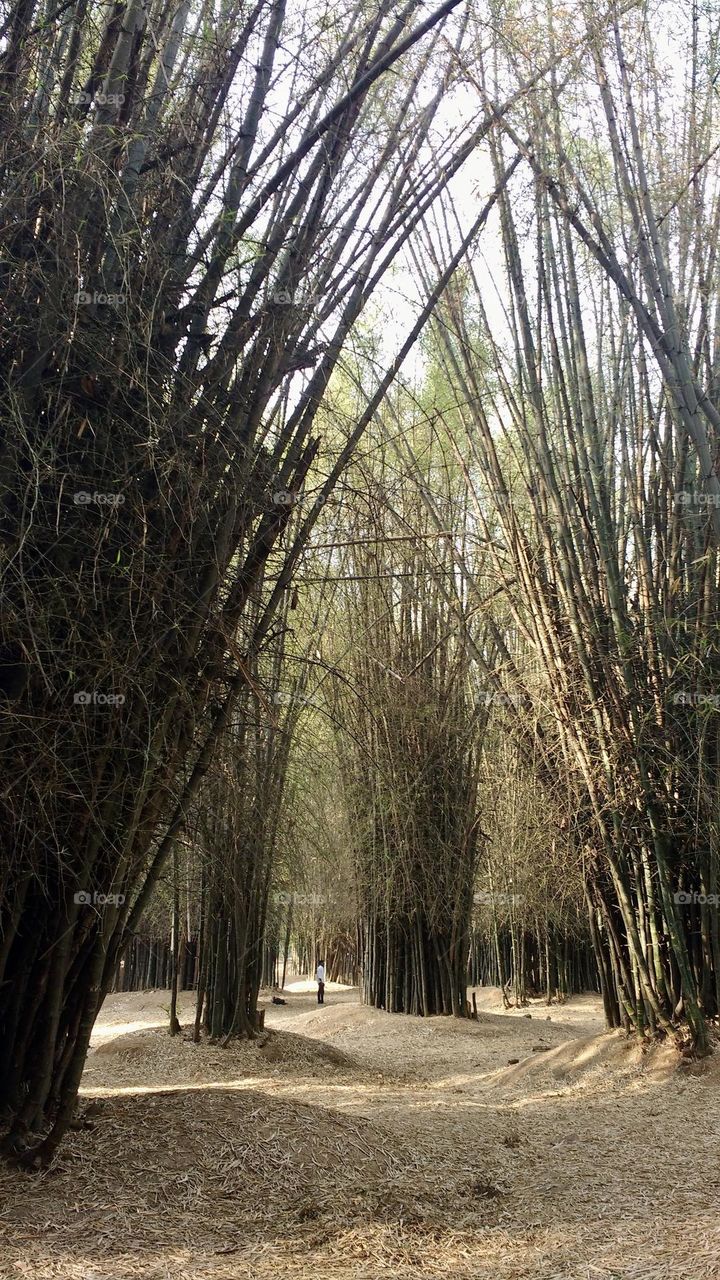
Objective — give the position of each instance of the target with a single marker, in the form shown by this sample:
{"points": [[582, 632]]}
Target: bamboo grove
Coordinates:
{"points": [[588, 427], [411, 766], [359, 513], [196, 207]]}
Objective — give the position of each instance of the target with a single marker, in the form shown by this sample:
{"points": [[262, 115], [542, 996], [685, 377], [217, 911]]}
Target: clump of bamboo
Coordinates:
{"points": [[588, 432], [411, 759], [196, 205]]}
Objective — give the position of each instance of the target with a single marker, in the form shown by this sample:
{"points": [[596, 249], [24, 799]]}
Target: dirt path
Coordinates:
{"points": [[355, 1145]]}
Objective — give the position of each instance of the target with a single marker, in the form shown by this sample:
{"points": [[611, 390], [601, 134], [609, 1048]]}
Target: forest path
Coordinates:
{"points": [[351, 1144]]}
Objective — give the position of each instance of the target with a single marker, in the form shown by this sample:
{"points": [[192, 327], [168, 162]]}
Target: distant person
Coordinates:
{"points": [[320, 977]]}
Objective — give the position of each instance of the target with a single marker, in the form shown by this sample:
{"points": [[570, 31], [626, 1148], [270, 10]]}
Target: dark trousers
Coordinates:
{"points": [[321, 992]]}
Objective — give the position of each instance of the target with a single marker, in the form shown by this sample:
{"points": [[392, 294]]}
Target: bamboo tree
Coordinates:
{"points": [[189, 237], [588, 457]]}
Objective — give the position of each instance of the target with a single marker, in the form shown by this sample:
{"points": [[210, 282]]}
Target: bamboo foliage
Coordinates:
{"points": [[411, 763], [196, 205], [530, 930], [590, 430]]}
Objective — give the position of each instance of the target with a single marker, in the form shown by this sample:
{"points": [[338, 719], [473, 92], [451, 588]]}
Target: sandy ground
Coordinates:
{"points": [[350, 1144]]}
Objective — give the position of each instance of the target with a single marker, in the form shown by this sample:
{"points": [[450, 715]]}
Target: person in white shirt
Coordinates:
{"points": [[320, 977]]}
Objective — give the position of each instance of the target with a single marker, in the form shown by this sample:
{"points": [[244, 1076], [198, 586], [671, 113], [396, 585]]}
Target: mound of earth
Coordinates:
{"points": [[612, 1054], [176, 1060], [287, 1047], [198, 1173]]}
